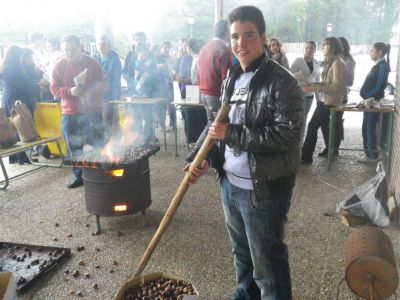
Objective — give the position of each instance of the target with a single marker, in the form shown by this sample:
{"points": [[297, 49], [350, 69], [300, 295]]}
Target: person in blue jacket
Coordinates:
{"points": [[111, 66], [374, 87], [147, 80], [131, 61]]}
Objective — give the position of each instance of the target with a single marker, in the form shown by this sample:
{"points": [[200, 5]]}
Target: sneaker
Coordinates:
{"points": [[367, 160], [75, 184]]}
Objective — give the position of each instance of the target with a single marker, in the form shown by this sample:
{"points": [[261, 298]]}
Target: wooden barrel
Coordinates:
{"points": [[370, 265]]}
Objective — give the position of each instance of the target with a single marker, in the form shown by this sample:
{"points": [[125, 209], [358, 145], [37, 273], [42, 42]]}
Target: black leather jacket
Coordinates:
{"points": [[273, 129]]}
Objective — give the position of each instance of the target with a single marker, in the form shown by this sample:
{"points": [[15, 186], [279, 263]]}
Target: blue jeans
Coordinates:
{"points": [[256, 227], [369, 134], [79, 130]]}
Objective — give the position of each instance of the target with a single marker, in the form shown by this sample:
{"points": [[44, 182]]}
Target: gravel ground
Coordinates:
{"points": [[195, 247]]}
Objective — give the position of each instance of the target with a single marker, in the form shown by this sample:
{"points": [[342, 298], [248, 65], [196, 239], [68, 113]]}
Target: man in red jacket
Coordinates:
{"points": [[81, 106], [215, 59]]}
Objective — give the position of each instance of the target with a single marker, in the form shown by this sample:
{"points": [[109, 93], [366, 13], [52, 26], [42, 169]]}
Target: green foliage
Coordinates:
{"points": [[360, 21], [173, 24]]}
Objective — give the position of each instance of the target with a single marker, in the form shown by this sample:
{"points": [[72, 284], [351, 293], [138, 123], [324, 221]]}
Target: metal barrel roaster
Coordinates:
{"points": [[116, 183], [122, 190], [370, 267]]}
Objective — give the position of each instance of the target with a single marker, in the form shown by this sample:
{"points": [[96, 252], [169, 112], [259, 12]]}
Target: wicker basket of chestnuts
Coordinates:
{"points": [[156, 286]]}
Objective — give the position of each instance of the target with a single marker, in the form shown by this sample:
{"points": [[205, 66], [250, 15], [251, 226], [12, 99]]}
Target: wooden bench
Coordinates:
{"points": [[21, 146]]}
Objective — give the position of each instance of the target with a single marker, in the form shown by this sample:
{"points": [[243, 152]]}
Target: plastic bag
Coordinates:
{"points": [[369, 199], [369, 103], [23, 122], [8, 134]]}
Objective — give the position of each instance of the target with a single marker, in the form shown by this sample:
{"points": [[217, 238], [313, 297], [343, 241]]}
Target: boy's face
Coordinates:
{"points": [[246, 42], [72, 51]]}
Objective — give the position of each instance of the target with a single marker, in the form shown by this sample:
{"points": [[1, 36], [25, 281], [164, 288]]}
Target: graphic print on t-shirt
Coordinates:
{"points": [[236, 160]]}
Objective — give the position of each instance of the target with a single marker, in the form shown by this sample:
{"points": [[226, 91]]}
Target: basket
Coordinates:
{"points": [[139, 281]]}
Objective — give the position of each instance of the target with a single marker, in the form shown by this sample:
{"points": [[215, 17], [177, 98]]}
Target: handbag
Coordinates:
{"points": [[8, 134], [23, 122]]}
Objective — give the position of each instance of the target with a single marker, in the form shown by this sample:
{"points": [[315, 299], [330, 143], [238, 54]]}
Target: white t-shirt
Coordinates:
{"points": [[236, 163]]}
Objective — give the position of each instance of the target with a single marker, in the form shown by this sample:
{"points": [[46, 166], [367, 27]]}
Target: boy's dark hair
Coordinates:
{"points": [[248, 13], [167, 44], [70, 38], [221, 28]]}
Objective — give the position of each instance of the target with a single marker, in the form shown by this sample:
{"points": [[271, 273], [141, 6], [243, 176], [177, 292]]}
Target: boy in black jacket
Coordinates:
{"points": [[257, 157]]}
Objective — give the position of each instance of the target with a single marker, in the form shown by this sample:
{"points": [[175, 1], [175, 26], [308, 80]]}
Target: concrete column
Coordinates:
{"points": [[219, 10]]}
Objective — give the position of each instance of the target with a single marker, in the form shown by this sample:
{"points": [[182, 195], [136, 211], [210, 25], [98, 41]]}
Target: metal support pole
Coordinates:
{"points": [[219, 10], [389, 140], [98, 224], [176, 132], [332, 129]]}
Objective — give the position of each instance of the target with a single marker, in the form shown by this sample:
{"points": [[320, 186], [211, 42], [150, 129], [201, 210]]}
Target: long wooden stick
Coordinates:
{"points": [[180, 193]]}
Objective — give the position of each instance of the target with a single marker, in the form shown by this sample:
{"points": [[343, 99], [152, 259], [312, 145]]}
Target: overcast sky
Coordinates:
{"points": [[123, 14]]}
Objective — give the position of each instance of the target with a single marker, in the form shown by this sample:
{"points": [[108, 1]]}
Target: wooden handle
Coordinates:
{"points": [[180, 193]]}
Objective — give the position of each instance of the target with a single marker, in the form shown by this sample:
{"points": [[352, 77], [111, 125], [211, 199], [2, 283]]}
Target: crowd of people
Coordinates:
{"points": [[150, 72], [258, 149]]}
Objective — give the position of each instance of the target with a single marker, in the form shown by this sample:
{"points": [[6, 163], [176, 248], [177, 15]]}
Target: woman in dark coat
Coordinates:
{"points": [[19, 80]]}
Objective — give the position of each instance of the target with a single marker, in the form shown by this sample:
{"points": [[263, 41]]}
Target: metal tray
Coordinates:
{"points": [[29, 262]]}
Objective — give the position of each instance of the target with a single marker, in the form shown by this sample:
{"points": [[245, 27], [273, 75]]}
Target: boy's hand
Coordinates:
{"points": [[217, 131], [195, 173]]}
